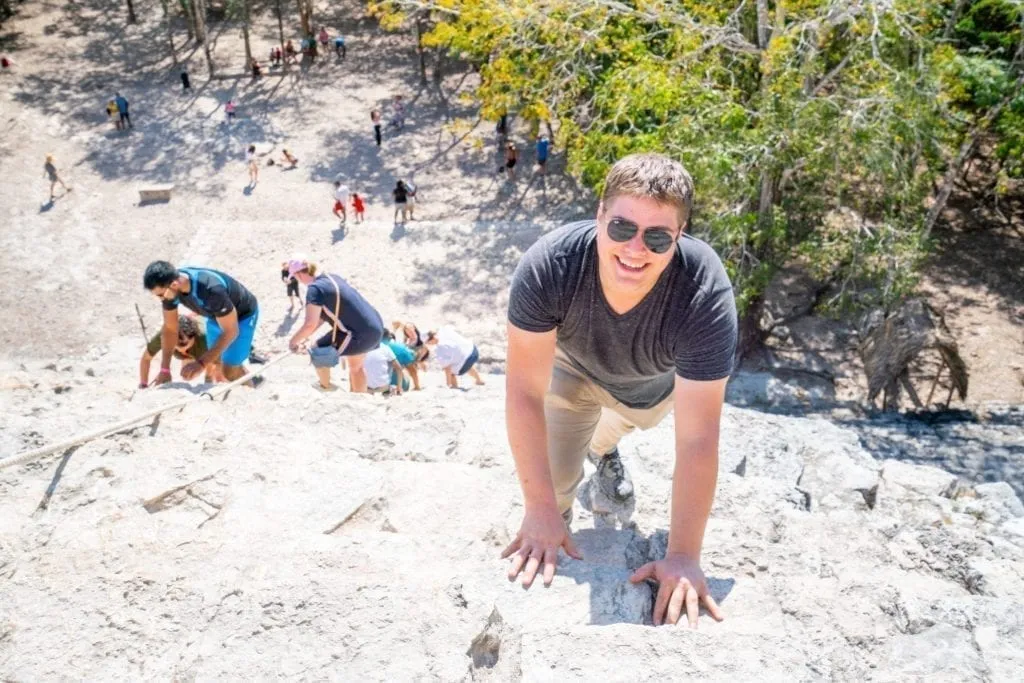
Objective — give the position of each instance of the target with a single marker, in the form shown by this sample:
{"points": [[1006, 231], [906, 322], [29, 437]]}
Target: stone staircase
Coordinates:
{"points": [[286, 532]]}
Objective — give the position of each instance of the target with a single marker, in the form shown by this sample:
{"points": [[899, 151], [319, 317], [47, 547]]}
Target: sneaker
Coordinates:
{"points": [[612, 477]]}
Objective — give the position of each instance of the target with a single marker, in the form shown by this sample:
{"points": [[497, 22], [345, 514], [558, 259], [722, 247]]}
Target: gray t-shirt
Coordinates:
{"points": [[686, 325]]}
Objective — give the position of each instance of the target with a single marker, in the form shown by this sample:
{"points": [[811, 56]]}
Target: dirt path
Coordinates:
{"points": [[88, 249]]}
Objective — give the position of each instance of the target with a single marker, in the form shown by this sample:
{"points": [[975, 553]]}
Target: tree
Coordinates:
{"points": [[198, 8], [814, 129], [306, 16], [170, 33], [131, 13], [280, 25], [395, 15], [240, 9]]}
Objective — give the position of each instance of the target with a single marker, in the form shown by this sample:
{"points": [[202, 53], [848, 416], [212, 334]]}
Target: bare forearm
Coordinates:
{"points": [[693, 491], [168, 340], [527, 437]]}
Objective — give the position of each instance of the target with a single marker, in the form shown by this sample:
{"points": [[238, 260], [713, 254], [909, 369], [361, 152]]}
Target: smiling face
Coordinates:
{"points": [[629, 270]]}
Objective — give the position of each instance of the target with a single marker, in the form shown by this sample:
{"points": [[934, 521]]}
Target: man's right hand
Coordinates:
{"points": [[542, 533]]}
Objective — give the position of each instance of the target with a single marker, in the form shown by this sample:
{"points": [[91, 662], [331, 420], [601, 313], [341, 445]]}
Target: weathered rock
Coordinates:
{"points": [[317, 536], [941, 651], [919, 479]]}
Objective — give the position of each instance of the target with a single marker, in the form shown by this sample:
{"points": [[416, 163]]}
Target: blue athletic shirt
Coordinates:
{"points": [[214, 294], [542, 149]]}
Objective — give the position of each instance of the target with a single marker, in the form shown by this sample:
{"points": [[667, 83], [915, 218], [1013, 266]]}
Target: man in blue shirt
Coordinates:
{"points": [[231, 311], [543, 146], [122, 110], [339, 46]]}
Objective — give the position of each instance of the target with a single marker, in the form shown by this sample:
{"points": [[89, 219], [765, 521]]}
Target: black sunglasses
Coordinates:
{"points": [[658, 240]]}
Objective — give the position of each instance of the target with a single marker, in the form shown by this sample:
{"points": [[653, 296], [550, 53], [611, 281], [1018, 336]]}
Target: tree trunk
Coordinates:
{"points": [[438, 64], [967, 148], [170, 34], [419, 48], [131, 13], [953, 18], [306, 16], [190, 20], [751, 337], [199, 8], [245, 33], [280, 24]]}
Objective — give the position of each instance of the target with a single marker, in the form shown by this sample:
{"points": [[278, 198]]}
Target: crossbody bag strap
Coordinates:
{"points": [[337, 306]]}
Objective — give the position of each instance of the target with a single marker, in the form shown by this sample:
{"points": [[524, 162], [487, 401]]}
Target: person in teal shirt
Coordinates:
{"points": [[406, 358]]}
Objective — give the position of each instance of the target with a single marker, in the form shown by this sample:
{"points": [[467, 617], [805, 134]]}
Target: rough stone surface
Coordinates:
{"points": [[283, 532]]}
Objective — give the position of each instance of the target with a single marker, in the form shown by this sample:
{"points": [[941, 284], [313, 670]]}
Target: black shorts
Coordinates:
{"points": [[293, 288], [510, 163]]}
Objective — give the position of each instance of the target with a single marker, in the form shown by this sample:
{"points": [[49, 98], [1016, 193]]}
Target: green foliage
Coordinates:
{"points": [[843, 113]]}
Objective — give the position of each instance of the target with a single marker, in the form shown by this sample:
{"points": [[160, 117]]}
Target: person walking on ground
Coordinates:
{"points": [[511, 157], [113, 115], [401, 195], [341, 195], [611, 324], [191, 346], [51, 174], [324, 39], [375, 117], [254, 167], [289, 52], [406, 359], [292, 287], [358, 207], [398, 113], [186, 84], [231, 313], [383, 372], [543, 147], [356, 326], [122, 110], [339, 46], [256, 69], [455, 354], [229, 110]]}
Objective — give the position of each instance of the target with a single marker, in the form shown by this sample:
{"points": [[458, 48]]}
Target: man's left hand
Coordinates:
{"points": [[191, 370], [681, 583]]}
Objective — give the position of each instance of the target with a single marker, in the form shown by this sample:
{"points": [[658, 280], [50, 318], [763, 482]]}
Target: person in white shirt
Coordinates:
{"points": [[341, 194], [456, 354], [381, 367]]}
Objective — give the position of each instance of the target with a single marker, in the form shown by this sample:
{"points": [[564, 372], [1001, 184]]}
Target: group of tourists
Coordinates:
{"points": [[357, 339]]}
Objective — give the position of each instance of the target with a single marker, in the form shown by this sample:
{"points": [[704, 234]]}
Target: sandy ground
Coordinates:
{"points": [[80, 259]]}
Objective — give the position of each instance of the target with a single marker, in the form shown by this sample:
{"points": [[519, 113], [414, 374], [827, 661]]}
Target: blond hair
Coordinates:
{"points": [[654, 176]]}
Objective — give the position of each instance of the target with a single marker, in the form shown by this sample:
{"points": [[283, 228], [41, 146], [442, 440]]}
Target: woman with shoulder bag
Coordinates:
{"points": [[356, 326]]}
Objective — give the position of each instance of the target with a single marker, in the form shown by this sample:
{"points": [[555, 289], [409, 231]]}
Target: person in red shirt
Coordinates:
{"points": [[357, 204]]}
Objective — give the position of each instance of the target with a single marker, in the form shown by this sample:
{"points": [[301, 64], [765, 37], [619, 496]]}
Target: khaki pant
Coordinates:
{"points": [[582, 416]]}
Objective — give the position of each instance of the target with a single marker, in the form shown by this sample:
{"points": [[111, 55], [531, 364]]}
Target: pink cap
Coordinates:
{"points": [[295, 265]]}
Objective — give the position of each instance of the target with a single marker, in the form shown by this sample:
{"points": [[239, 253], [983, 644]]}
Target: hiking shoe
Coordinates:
{"points": [[612, 477]]}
